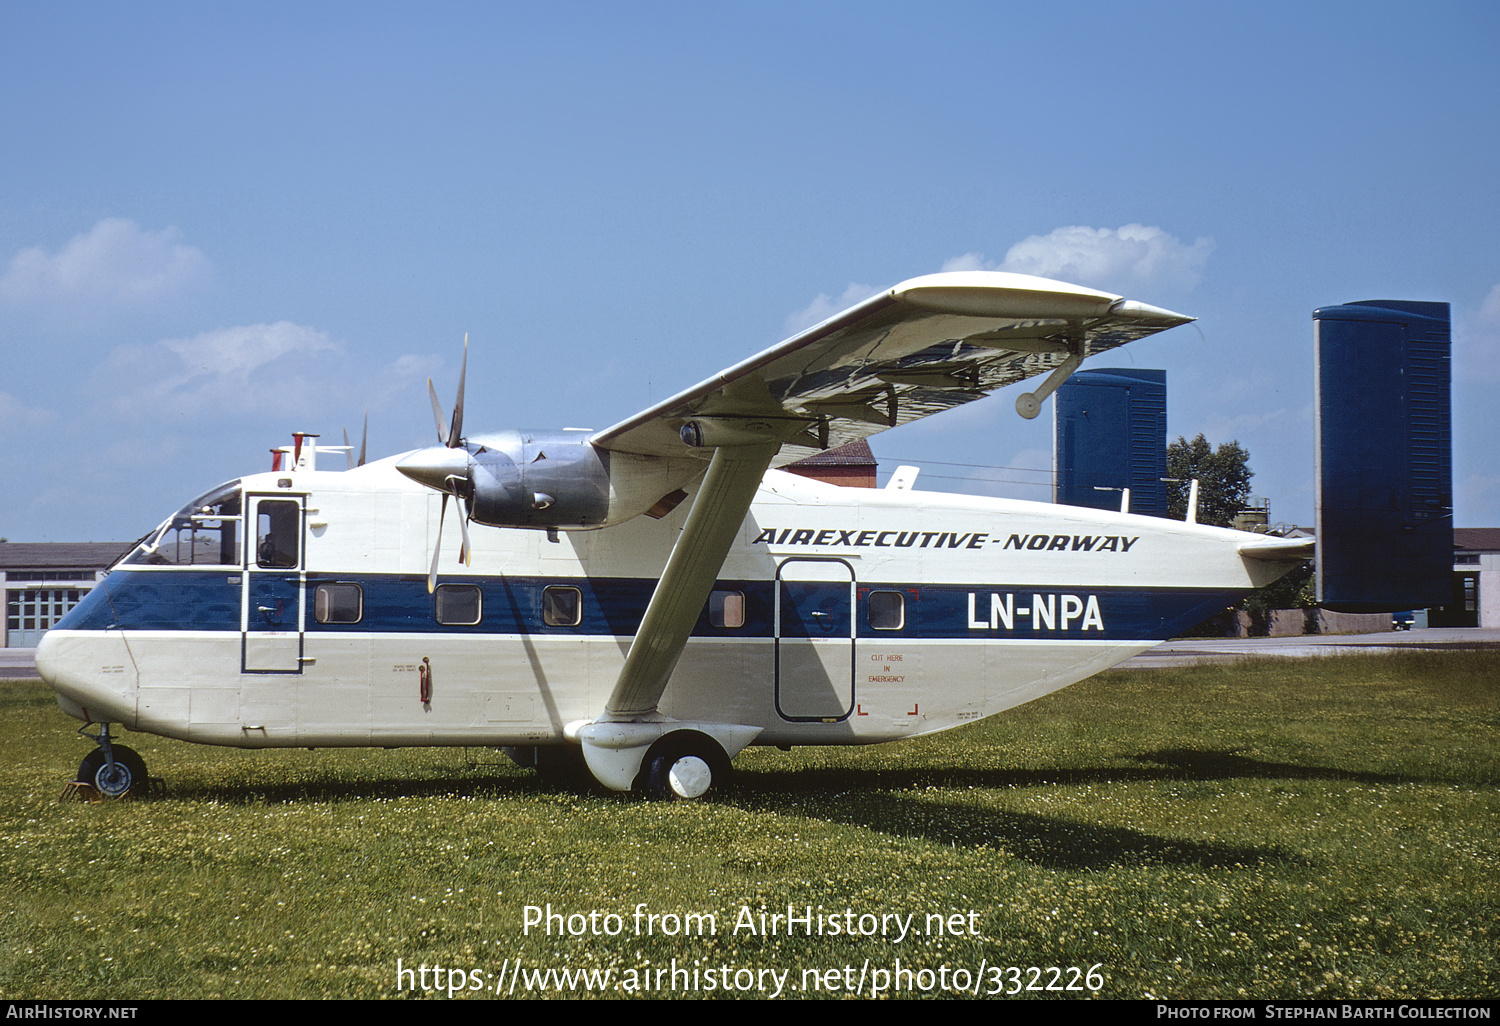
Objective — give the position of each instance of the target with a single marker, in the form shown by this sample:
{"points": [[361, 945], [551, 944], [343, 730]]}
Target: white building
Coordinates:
{"points": [[1476, 581], [43, 580]]}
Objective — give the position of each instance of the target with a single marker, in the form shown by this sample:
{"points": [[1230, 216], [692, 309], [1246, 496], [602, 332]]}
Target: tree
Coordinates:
{"points": [[1223, 479]]}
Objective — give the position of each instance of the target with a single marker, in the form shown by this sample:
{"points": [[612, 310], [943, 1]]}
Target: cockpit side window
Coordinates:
{"points": [[205, 532], [278, 533]]}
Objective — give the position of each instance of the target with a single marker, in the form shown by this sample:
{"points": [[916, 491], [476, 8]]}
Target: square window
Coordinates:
{"points": [[887, 610], [562, 607], [458, 604], [338, 603], [278, 533], [726, 609]]}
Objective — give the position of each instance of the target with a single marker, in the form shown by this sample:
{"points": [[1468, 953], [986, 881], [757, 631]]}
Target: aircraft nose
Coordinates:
{"points": [[46, 665], [432, 467]]}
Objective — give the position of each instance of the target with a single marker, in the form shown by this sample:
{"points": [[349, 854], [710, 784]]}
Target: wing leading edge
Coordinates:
{"points": [[927, 345]]}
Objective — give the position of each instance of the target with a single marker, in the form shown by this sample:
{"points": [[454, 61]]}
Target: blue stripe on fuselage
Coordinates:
{"points": [[198, 600]]}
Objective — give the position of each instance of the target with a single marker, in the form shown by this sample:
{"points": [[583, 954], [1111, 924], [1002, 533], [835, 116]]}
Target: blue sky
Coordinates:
{"points": [[221, 223]]}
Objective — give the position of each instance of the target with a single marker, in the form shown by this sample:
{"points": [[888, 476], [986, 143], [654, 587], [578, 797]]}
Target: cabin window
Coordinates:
{"points": [[458, 604], [887, 610], [278, 530], [562, 607], [338, 603], [726, 609]]}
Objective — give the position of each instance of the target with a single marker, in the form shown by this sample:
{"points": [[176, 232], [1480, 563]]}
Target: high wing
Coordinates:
{"points": [[926, 345]]}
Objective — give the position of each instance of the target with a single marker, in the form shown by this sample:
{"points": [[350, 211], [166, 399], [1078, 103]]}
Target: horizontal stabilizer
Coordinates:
{"points": [[1277, 550]]}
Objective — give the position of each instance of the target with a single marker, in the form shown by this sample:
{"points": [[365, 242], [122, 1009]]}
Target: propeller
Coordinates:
{"points": [[445, 468], [364, 441], [456, 428], [463, 548]]}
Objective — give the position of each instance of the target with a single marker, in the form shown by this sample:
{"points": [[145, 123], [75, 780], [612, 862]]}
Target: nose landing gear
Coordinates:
{"points": [[115, 771]]}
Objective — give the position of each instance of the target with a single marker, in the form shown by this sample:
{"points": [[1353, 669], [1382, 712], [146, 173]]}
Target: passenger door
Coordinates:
{"points": [[814, 640], [272, 614]]}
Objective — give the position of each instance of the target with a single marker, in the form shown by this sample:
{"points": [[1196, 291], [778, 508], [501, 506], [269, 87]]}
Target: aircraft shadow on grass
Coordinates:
{"points": [[1047, 841], [1053, 842], [882, 800]]}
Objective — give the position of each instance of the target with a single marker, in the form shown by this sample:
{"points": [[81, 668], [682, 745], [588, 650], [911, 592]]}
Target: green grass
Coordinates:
{"points": [[1323, 828]]}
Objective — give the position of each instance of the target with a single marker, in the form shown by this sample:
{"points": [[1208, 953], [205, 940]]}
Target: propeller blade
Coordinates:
{"points": [[348, 450], [467, 550], [437, 410], [456, 432], [437, 547], [364, 438]]}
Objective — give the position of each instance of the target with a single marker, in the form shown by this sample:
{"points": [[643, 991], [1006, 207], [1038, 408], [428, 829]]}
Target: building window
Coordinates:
{"points": [[887, 610], [32, 611], [562, 607], [458, 605], [49, 575], [726, 609], [338, 603]]}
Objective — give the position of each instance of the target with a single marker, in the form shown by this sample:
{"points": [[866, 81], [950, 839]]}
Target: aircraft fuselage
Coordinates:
{"points": [[299, 615]]}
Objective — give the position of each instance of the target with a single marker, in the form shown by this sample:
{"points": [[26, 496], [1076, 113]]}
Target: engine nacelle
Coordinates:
{"points": [[550, 479], [515, 479], [537, 480]]}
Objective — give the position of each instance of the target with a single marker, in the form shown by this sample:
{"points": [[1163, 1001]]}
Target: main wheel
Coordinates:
{"points": [[683, 766], [128, 778]]}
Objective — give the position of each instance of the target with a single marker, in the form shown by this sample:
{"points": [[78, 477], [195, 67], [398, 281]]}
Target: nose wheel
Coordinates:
{"points": [[126, 778], [113, 770]]}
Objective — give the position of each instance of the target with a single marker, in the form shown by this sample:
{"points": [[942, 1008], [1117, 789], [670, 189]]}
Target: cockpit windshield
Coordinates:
{"points": [[204, 532]]}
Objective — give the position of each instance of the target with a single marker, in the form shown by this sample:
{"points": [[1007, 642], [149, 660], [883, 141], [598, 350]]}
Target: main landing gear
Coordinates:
{"points": [[113, 770], [683, 766]]}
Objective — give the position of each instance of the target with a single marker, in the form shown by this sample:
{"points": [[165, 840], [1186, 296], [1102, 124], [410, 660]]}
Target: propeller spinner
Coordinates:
{"points": [[445, 468]]}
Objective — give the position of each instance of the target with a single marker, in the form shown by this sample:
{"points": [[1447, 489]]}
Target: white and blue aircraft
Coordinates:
{"points": [[656, 596]]}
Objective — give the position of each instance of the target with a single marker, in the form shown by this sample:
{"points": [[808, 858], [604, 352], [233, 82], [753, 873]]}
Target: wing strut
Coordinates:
{"points": [[1029, 404], [718, 511]]}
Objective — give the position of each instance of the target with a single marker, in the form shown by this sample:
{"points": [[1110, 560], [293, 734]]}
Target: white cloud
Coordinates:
{"points": [[1477, 498], [264, 368], [409, 365], [969, 262], [825, 306], [17, 420], [114, 264], [1489, 310], [1122, 260], [1220, 425], [1476, 342], [235, 352]]}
